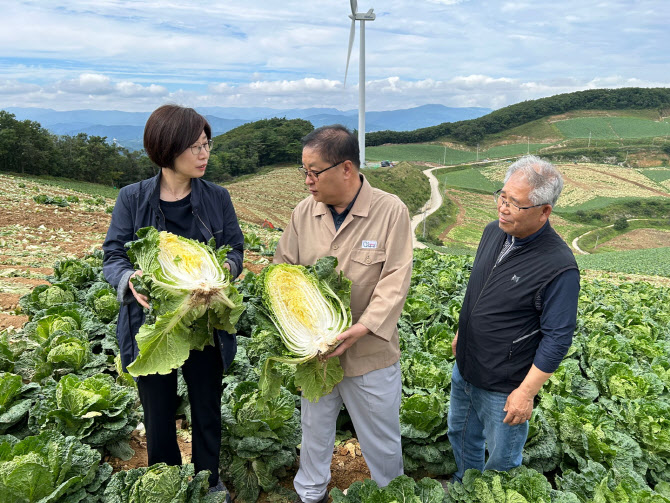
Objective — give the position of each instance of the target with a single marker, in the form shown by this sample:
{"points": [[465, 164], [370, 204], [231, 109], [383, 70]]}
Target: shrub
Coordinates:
{"points": [[621, 224]]}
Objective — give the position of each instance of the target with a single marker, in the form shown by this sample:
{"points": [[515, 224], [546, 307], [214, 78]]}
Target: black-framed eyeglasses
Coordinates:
{"points": [[314, 175], [196, 149], [499, 197]]}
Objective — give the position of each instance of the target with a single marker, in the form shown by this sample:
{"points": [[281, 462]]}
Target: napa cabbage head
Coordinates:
{"points": [[306, 311], [74, 271], [101, 298], [186, 283], [161, 483], [46, 296], [309, 307]]}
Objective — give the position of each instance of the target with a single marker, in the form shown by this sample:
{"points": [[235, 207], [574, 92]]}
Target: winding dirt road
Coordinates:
{"points": [[436, 199], [430, 207]]}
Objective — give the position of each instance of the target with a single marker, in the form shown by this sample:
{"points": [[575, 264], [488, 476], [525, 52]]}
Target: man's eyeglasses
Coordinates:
{"points": [[196, 149], [314, 175], [503, 200]]}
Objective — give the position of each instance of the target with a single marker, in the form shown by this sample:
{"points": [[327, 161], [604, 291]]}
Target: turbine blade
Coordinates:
{"points": [[352, 33], [354, 6]]}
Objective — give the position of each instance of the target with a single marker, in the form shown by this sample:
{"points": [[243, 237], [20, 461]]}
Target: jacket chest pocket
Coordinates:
{"points": [[366, 266]]}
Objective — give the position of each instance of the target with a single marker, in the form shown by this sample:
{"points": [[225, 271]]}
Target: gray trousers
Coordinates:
{"points": [[373, 403]]}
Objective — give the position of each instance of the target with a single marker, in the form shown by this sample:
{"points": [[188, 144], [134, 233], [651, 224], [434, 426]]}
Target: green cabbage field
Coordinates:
{"points": [[600, 431]]}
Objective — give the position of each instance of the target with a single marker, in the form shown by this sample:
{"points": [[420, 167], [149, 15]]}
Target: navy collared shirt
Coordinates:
{"points": [[338, 218]]}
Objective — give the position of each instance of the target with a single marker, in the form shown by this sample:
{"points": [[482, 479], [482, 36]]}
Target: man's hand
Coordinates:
{"points": [[453, 344], [519, 407], [348, 338], [142, 300]]}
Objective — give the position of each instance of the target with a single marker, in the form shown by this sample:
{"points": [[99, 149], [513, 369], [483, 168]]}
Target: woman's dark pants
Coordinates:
{"points": [[158, 393]]}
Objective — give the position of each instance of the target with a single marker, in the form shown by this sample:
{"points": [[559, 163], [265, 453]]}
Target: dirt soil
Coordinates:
{"points": [[138, 442], [347, 465], [36, 238], [640, 238]]}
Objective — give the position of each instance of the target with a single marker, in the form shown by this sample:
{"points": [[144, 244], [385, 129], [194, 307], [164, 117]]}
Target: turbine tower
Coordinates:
{"points": [[362, 17]]}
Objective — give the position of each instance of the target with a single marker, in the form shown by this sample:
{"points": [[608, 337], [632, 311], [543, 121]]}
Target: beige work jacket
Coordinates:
{"points": [[373, 247]]}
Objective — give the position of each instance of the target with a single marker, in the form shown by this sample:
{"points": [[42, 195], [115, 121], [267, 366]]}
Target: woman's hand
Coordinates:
{"points": [[142, 300]]}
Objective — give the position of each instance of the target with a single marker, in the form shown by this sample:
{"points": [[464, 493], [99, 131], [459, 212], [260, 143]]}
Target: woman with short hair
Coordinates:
{"points": [[178, 141]]}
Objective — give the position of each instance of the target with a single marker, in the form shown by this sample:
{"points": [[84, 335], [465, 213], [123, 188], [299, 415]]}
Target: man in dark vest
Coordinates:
{"points": [[516, 323]]}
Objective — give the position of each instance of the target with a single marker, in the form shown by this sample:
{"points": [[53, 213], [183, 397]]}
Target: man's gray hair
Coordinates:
{"points": [[546, 183]]}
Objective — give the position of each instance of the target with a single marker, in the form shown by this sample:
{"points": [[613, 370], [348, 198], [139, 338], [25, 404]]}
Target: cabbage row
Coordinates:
{"points": [[601, 428], [64, 404], [600, 431]]}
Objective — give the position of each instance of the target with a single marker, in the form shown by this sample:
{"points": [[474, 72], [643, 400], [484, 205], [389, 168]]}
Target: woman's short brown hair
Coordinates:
{"points": [[170, 130]]}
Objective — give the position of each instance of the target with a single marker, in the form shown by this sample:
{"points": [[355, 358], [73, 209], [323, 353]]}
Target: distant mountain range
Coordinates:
{"points": [[126, 128]]}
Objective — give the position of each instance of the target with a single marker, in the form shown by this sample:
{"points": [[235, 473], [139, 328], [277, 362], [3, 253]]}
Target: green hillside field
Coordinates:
{"points": [[612, 127], [652, 261], [435, 153], [469, 179]]}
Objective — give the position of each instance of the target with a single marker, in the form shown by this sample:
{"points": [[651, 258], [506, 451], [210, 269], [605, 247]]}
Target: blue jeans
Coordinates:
{"points": [[476, 423]]}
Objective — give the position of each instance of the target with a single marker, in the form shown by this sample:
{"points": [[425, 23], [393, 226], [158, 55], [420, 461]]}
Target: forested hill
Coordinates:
{"points": [[475, 130], [247, 148], [28, 148]]}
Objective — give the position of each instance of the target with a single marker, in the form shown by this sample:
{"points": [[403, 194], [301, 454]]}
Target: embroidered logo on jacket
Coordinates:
{"points": [[516, 278], [369, 244]]}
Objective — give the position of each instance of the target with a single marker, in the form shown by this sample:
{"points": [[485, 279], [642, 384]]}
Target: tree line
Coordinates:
{"points": [[474, 130], [28, 148]]}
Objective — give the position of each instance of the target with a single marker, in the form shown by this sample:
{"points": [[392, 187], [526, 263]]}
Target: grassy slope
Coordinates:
{"points": [[612, 127], [658, 175], [405, 180]]}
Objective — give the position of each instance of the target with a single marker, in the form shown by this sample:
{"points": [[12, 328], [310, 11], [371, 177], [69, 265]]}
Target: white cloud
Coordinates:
{"points": [[514, 6], [476, 90], [128, 55], [13, 87], [447, 2], [86, 83], [220, 88], [131, 89], [295, 86]]}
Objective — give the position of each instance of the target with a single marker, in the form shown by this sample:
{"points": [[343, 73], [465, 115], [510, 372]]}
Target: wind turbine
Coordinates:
{"points": [[362, 17]]}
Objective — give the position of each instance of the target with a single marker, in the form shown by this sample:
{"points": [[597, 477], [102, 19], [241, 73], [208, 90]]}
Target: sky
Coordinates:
{"points": [[136, 55]]}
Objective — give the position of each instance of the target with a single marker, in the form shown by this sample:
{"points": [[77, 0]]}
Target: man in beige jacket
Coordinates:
{"points": [[369, 232]]}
